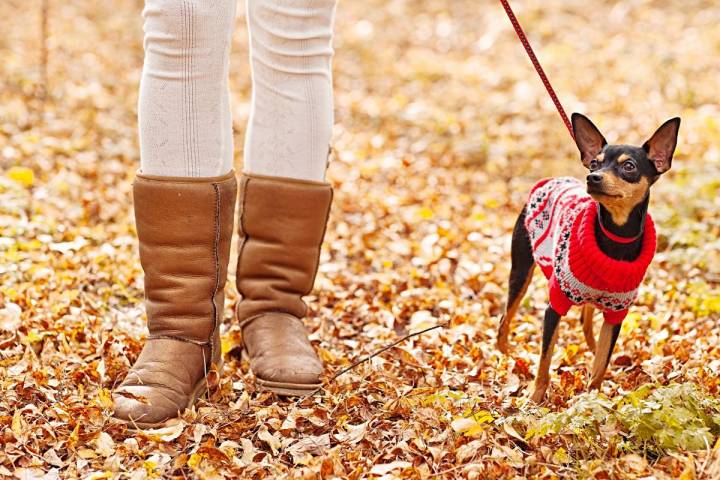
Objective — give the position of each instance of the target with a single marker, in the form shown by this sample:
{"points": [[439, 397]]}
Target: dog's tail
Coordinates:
{"points": [[521, 271]]}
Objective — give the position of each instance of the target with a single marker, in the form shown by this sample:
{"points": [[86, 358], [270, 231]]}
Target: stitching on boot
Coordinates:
{"points": [[180, 339], [241, 215], [216, 258], [283, 313], [243, 237]]}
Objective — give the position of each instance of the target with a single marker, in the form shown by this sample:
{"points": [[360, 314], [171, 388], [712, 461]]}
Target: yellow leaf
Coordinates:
{"points": [[425, 213], [74, 436], [99, 475], [17, 424], [472, 425], [326, 355], [570, 352], [104, 398], [655, 322], [230, 341], [268, 438], [630, 323], [202, 469], [228, 447], [688, 472], [33, 336], [483, 416], [561, 456], [194, 460], [22, 175], [150, 468]]}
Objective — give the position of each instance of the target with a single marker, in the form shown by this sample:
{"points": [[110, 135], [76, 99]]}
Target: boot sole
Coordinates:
{"points": [[198, 391], [282, 388], [288, 389]]}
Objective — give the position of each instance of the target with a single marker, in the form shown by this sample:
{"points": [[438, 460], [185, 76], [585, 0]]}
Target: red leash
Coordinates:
{"points": [[536, 64]]}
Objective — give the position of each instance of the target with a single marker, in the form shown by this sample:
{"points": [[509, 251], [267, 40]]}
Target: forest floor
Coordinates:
{"points": [[442, 128]]}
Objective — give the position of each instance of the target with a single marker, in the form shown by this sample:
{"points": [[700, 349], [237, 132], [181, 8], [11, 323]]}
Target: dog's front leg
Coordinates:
{"points": [[549, 338], [587, 322], [606, 343]]}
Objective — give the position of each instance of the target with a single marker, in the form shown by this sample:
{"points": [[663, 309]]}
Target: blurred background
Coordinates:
{"points": [[441, 128]]}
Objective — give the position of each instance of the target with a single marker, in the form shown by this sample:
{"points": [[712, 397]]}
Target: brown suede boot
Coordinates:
{"points": [[282, 225], [184, 227]]}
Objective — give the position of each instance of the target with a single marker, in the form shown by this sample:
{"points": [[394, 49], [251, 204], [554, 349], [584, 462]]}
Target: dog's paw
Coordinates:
{"points": [[538, 395]]}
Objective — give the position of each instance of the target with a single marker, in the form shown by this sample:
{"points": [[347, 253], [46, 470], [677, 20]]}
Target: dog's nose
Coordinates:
{"points": [[594, 179]]}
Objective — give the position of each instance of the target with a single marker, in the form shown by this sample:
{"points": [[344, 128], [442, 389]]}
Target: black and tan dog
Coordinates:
{"points": [[593, 241]]}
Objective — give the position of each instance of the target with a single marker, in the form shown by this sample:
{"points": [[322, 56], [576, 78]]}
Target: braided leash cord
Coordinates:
{"points": [[536, 64]]}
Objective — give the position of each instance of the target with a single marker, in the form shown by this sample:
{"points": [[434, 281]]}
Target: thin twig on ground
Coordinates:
{"points": [[369, 357]]}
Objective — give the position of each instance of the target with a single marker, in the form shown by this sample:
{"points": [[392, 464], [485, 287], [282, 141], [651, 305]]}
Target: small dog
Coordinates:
{"points": [[593, 243]]}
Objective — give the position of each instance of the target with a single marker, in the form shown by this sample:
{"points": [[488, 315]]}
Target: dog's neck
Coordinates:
{"points": [[632, 229]]}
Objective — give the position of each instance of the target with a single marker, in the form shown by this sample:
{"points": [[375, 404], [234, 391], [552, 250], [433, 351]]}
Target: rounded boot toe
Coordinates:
{"points": [[143, 407], [288, 369]]}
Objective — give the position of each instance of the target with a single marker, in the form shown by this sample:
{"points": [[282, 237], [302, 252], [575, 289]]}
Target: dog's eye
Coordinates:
{"points": [[628, 166], [594, 164]]}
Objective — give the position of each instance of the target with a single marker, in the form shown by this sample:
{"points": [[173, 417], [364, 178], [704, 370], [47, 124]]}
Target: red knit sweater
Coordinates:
{"points": [[560, 220]]}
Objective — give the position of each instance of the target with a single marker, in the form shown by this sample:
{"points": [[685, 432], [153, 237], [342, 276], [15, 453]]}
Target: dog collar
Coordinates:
{"points": [[618, 238]]}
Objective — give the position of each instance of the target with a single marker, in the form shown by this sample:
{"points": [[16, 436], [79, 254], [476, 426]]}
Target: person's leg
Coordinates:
{"points": [[285, 201], [184, 200], [291, 115], [184, 109]]}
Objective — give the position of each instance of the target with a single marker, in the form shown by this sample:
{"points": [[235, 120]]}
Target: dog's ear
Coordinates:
{"points": [[661, 146], [588, 138]]}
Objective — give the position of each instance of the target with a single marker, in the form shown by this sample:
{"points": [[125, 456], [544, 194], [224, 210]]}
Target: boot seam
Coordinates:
{"points": [[180, 339], [252, 318], [192, 180], [283, 180], [216, 258], [243, 238]]}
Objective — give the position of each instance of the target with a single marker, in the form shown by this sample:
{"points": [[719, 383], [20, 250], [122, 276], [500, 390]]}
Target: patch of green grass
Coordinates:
{"points": [[651, 421]]}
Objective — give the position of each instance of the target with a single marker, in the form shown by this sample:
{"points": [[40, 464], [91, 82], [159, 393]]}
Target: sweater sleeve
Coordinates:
{"points": [[558, 300], [615, 317]]}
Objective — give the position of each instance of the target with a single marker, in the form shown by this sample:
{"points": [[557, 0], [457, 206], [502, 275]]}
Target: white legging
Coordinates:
{"points": [[184, 108]]}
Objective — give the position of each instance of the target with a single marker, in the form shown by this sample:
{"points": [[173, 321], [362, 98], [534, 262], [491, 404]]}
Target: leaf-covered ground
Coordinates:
{"points": [[442, 128]]}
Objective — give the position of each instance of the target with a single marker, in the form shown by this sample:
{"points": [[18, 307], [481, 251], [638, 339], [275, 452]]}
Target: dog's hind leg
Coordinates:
{"points": [[549, 338], [521, 271], [606, 343], [586, 316]]}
